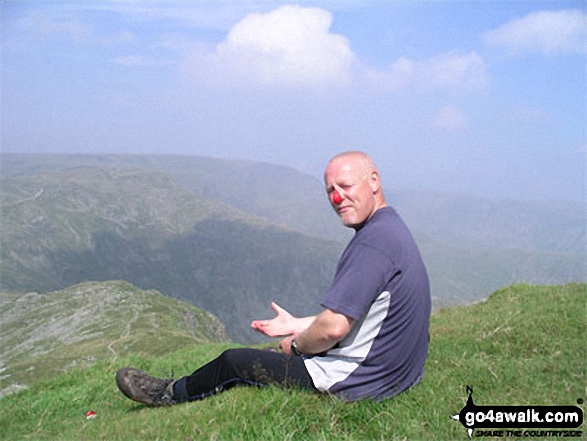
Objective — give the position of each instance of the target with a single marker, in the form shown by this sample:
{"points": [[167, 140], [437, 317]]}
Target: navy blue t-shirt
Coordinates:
{"points": [[381, 282]]}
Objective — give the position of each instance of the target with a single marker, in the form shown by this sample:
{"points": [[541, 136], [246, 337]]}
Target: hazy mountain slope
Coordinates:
{"points": [[460, 275], [103, 224], [63, 212], [471, 245], [473, 222], [282, 194], [297, 200], [229, 268], [44, 334]]}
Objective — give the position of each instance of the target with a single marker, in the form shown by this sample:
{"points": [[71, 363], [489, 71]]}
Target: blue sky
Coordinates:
{"points": [[477, 97]]}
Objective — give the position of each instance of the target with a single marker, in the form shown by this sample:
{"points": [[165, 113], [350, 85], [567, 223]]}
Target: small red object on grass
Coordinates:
{"points": [[90, 415]]}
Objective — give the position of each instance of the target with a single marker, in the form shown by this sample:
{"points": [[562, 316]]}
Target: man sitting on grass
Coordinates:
{"points": [[370, 341]]}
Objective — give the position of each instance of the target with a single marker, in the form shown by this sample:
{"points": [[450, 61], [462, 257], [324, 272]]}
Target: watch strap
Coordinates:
{"points": [[294, 348]]}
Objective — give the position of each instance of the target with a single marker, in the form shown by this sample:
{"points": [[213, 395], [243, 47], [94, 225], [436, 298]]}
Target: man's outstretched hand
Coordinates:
{"points": [[316, 334], [282, 325]]}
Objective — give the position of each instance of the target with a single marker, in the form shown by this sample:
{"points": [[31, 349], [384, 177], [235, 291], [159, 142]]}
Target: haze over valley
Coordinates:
{"points": [[231, 236]]}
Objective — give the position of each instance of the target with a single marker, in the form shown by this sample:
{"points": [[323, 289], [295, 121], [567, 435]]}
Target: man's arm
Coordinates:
{"points": [[328, 328]]}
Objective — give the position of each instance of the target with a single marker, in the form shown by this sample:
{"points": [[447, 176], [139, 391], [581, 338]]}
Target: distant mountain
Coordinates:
{"points": [[44, 334], [297, 201], [461, 275], [474, 222], [230, 235], [92, 224], [278, 193]]}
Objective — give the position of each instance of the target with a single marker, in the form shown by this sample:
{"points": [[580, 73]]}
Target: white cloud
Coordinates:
{"points": [[449, 118], [448, 70], [454, 70], [549, 32], [289, 46]]}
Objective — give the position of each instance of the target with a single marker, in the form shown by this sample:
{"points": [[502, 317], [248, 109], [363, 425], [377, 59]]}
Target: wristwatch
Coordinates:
{"points": [[294, 348]]}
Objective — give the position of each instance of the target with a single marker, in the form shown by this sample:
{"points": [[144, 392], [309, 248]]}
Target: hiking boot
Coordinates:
{"points": [[139, 386]]}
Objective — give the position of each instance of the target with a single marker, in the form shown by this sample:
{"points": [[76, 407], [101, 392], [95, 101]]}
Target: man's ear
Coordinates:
{"points": [[374, 181]]}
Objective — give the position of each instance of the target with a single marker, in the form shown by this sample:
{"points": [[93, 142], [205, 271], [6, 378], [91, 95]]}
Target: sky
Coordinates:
{"points": [[483, 97]]}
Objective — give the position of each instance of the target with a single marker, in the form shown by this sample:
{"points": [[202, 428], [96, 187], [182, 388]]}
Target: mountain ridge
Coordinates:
{"points": [[43, 334], [297, 200]]}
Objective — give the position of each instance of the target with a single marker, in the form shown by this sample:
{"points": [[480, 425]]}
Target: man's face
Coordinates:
{"points": [[351, 179]]}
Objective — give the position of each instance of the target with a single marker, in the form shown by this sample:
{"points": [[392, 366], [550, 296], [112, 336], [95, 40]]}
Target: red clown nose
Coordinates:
{"points": [[336, 197]]}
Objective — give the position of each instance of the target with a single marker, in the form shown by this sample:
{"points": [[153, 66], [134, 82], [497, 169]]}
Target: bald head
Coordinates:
{"points": [[359, 159], [354, 188]]}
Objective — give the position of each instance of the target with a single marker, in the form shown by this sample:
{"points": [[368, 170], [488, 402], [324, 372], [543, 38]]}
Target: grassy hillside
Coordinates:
{"points": [[44, 334], [525, 346]]}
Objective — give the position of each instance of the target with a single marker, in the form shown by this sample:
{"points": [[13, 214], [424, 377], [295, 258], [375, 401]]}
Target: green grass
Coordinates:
{"points": [[525, 345]]}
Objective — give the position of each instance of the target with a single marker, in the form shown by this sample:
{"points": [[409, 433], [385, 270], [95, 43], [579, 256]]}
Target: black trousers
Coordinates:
{"points": [[250, 367]]}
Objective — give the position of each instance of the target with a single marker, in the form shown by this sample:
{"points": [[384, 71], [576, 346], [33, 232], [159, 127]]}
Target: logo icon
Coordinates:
{"points": [[518, 417]]}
